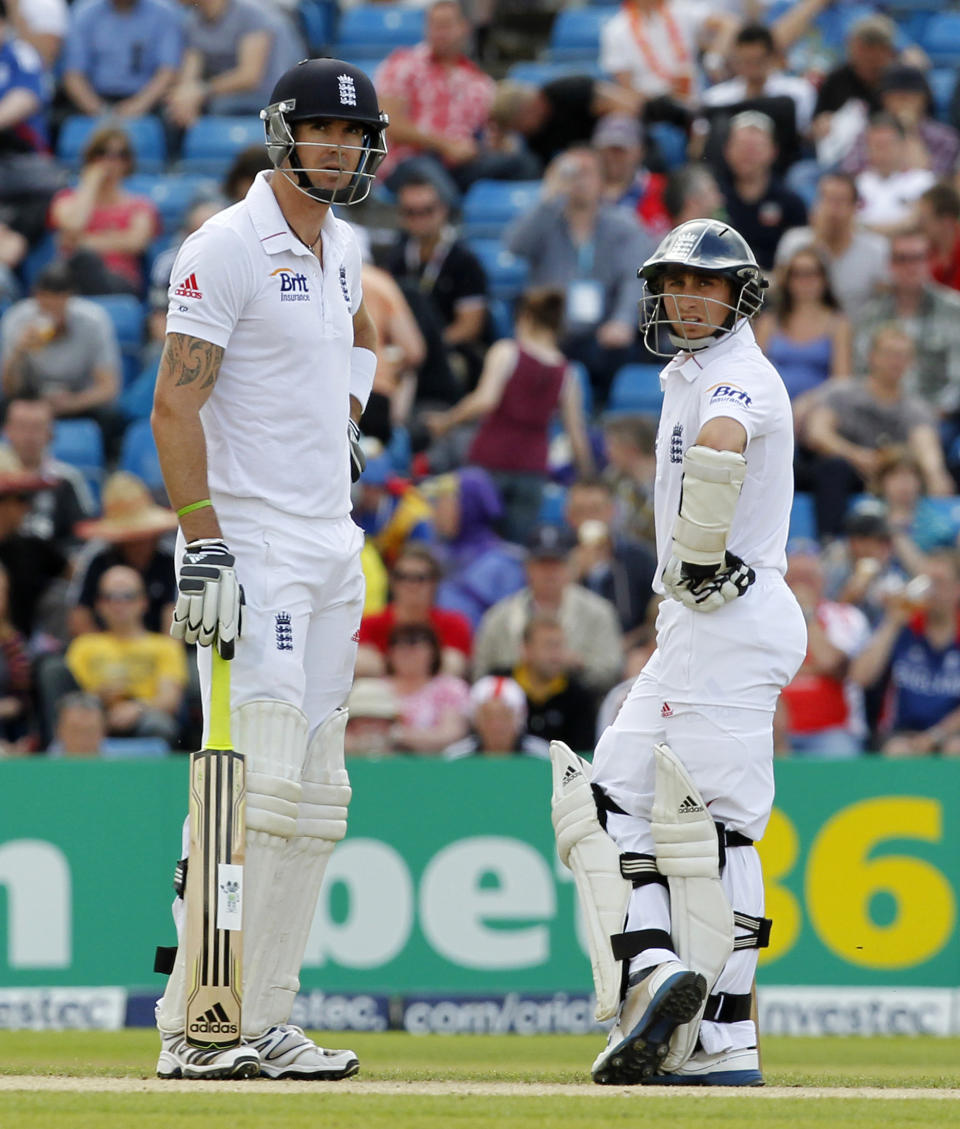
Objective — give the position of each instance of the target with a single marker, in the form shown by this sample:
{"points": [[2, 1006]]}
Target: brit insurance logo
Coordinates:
{"points": [[729, 394], [293, 286]]}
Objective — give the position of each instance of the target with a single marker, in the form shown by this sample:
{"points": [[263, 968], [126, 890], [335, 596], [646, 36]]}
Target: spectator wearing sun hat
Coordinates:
{"points": [[130, 532], [373, 711], [498, 718]]}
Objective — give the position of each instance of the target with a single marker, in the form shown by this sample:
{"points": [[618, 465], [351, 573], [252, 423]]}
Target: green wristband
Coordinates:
{"points": [[201, 505]]}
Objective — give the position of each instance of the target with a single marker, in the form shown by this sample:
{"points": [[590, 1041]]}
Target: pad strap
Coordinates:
{"points": [[628, 945], [759, 931], [728, 1007], [164, 959], [641, 870]]}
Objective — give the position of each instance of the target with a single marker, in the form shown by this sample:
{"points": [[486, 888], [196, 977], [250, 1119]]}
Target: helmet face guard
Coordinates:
{"points": [[748, 284], [278, 119]]}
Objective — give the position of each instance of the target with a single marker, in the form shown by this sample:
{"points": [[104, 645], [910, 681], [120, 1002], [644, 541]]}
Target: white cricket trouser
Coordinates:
{"points": [[304, 589], [737, 659]]}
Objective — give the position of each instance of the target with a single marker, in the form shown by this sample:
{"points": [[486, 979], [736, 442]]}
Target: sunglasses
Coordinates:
{"points": [[414, 577]]}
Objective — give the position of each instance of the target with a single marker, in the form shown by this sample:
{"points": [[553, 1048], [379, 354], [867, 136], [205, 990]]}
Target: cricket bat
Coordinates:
{"points": [[214, 894]]}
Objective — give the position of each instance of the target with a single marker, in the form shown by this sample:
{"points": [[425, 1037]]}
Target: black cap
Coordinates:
{"points": [[550, 542], [901, 76], [867, 518]]}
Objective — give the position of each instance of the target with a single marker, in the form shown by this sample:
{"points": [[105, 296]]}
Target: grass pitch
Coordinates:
{"points": [[468, 1082]]}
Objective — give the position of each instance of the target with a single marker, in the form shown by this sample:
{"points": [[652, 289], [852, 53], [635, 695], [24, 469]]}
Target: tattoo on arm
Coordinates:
{"points": [[191, 359]]}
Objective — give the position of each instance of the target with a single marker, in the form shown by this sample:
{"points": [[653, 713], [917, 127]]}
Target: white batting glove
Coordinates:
{"points": [[358, 460], [707, 593], [208, 608]]}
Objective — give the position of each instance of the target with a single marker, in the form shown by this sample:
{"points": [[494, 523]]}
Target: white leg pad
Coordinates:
{"points": [[688, 854], [272, 735], [592, 856], [321, 824]]}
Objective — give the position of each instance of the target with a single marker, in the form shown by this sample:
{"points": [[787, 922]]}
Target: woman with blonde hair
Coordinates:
{"points": [[102, 229]]}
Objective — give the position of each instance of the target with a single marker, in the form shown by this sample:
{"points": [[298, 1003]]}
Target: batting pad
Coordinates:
{"points": [[321, 824], [688, 854], [592, 856]]}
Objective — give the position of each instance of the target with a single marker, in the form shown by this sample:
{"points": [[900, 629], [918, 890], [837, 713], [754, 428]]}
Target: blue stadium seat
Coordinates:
{"points": [[490, 205], [943, 81], [501, 317], [43, 252], [318, 19], [540, 72], [378, 29], [671, 141], [636, 388], [127, 315], [576, 34], [941, 39], [213, 141], [803, 518], [146, 136], [506, 274], [553, 504], [79, 442], [171, 194], [835, 22], [367, 63], [138, 455]]}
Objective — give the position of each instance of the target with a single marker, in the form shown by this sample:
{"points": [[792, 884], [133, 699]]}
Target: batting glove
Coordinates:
{"points": [[358, 460], [208, 608], [707, 593]]}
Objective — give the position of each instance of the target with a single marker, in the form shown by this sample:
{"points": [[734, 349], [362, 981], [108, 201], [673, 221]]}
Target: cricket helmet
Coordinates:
{"points": [[710, 247], [337, 91]]}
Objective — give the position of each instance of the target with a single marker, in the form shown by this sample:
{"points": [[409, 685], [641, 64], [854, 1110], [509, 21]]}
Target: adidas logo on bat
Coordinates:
{"points": [[689, 806], [214, 1021]]}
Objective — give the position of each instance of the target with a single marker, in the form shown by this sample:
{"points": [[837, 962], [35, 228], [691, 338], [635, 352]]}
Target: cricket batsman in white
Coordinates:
{"points": [[660, 830], [267, 366]]}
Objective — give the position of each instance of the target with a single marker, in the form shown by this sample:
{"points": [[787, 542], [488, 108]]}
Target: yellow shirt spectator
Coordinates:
{"points": [[126, 667]]}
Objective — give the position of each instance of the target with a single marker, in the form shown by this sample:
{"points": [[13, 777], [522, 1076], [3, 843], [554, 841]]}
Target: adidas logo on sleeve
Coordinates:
{"points": [[188, 288]]}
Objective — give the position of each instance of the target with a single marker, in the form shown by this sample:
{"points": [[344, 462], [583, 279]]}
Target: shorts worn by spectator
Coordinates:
{"points": [[138, 675], [121, 57], [64, 349], [589, 621], [498, 716], [129, 533]]}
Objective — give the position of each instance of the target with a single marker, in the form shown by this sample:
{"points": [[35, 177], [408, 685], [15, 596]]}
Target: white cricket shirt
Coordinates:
{"points": [[276, 421], [731, 378]]}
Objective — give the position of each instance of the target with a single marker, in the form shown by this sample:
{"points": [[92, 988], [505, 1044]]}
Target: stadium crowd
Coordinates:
{"points": [[537, 153]]}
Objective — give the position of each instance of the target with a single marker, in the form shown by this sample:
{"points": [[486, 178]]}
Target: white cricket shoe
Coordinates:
{"points": [[739, 1067], [653, 1009], [179, 1060], [285, 1052]]}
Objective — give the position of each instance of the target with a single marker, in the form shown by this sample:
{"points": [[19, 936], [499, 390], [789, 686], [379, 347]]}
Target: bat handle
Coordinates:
{"points": [[219, 730]]}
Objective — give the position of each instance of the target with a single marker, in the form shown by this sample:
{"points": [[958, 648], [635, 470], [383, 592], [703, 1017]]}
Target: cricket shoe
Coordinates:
{"points": [[740, 1067], [285, 1052], [654, 1008], [179, 1060]]}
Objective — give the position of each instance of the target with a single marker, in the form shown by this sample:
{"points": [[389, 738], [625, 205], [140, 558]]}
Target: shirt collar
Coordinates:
{"points": [[271, 225], [690, 365]]}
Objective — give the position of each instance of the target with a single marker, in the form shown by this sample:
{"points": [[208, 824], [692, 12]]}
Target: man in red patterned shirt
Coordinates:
{"points": [[437, 99]]}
